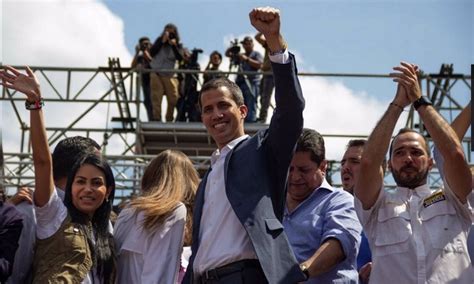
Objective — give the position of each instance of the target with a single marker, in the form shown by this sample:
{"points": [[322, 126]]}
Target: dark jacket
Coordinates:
{"points": [[11, 223], [256, 173]]}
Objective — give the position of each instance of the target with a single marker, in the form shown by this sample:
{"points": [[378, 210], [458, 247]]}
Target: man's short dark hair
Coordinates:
{"points": [[215, 52], [69, 151], [356, 143], [312, 141], [142, 39], [362, 143], [217, 83], [408, 130]]}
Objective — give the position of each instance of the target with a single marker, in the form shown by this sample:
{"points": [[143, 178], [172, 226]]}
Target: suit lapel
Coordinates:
{"points": [[198, 205]]}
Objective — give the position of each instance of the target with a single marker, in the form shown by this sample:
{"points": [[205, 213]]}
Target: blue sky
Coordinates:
{"points": [[331, 36], [326, 36]]}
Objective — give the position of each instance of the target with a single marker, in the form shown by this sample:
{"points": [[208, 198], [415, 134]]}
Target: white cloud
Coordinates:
{"points": [[61, 33], [334, 109]]}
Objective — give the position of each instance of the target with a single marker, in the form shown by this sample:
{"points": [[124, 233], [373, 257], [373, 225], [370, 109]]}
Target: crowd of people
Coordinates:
{"points": [[168, 55], [264, 211]]}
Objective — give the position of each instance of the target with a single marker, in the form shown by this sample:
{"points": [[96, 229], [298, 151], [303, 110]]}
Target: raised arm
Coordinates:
{"points": [[456, 168], [28, 85], [260, 38], [370, 183], [462, 122], [287, 120]]}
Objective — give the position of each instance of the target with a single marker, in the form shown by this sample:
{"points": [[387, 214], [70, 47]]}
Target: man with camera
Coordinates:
{"points": [[250, 60], [187, 106], [141, 61], [165, 52]]}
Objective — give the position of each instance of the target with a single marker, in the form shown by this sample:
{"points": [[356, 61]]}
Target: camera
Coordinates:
{"points": [[144, 46], [171, 35], [194, 56], [234, 51]]}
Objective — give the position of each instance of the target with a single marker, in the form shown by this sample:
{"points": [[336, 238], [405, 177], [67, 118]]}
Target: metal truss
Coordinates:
{"points": [[16, 168]]}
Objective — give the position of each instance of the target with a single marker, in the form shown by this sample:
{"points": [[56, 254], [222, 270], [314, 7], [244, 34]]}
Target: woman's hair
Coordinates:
{"points": [[170, 178], [102, 250]]}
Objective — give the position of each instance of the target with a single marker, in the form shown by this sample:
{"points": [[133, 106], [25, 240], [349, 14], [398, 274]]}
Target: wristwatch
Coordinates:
{"points": [[305, 270], [422, 101]]}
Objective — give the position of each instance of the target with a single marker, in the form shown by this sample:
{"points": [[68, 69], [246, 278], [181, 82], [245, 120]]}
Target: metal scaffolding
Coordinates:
{"points": [[119, 93]]}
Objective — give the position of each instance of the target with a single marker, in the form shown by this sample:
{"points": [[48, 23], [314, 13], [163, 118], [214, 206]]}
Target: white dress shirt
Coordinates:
{"points": [[418, 236], [223, 238]]}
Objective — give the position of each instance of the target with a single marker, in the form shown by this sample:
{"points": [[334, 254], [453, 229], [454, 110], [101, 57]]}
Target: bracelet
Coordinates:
{"points": [[34, 105], [397, 105]]}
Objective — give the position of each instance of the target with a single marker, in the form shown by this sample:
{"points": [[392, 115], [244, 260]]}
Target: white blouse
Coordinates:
{"points": [[149, 256]]}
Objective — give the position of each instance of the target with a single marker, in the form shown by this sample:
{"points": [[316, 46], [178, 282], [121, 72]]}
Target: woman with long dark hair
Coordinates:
{"points": [[73, 242], [149, 233]]}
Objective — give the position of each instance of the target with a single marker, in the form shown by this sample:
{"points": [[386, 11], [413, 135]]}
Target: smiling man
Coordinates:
{"points": [[237, 232], [416, 235], [320, 221]]}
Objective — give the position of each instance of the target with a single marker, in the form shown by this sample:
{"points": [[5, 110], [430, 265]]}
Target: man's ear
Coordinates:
{"points": [[323, 166], [430, 164], [243, 111]]}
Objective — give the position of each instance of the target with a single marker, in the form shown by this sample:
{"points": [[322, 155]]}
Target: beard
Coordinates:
{"points": [[410, 181]]}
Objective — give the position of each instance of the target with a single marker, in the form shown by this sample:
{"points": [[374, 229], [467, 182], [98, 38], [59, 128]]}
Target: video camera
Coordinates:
{"points": [[193, 61], [234, 51]]}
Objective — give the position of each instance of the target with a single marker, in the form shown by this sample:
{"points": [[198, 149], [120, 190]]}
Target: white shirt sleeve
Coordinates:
{"points": [[366, 216], [282, 58], [50, 217]]}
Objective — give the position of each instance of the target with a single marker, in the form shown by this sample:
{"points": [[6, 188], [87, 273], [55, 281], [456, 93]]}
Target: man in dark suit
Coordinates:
{"points": [[237, 232]]}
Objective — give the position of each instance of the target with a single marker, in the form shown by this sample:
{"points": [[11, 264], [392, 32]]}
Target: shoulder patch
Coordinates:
{"points": [[434, 198]]}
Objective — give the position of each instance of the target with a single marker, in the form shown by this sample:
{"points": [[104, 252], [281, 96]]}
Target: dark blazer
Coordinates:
{"points": [[10, 230], [256, 173]]}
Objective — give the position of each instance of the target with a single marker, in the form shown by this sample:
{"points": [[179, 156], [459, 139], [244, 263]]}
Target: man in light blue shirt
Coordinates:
{"points": [[320, 221]]}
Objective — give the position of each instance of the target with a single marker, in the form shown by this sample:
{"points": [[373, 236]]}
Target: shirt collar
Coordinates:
{"points": [[421, 191], [226, 149]]}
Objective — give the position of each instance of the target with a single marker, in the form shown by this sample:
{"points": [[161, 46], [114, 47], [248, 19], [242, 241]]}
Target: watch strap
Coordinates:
{"points": [[38, 104], [423, 100]]}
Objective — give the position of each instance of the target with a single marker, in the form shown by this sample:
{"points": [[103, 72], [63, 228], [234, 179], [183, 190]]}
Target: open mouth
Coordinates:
{"points": [[87, 198]]}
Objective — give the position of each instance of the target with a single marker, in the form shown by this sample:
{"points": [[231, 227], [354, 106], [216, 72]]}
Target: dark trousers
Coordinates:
{"points": [[239, 272]]}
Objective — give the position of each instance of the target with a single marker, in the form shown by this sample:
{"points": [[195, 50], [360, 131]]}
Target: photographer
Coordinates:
{"points": [[141, 61], [187, 106], [250, 60], [166, 51], [215, 60]]}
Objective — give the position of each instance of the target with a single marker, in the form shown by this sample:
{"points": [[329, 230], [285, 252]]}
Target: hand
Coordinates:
{"points": [[364, 272], [172, 42], [23, 194], [408, 78], [266, 20], [27, 84], [243, 57]]}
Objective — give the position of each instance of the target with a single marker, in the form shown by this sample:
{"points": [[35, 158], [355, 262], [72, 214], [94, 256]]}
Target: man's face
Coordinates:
{"points": [[223, 118], [248, 46], [215, 60], [410, 162], [305, 176], [350, 165]]}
